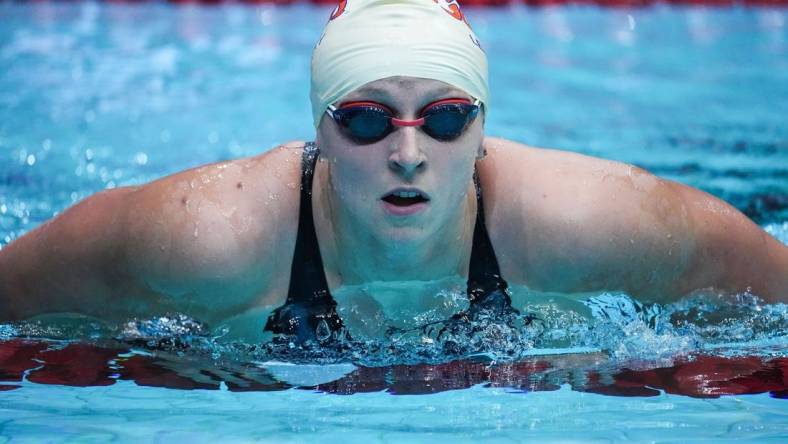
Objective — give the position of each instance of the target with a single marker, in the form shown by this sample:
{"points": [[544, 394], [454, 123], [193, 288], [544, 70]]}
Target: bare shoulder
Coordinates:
{"points": [[219, 228], [549, 177], [561, 221]]}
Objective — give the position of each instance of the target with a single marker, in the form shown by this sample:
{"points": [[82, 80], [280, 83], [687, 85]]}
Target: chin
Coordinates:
{"points": [[402, 233], [410, 227]]}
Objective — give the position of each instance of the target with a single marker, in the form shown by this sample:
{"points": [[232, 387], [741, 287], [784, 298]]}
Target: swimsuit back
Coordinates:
{"points": [[310, 312]]}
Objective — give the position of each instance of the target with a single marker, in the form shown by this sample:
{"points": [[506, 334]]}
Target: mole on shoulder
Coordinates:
{"points": [[239, 185], [184, 200]]}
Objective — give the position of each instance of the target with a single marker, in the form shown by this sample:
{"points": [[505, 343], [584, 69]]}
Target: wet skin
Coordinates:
{"points": [[217, 241]]}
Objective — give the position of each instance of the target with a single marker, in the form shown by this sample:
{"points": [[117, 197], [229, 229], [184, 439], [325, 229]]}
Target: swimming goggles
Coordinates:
{"points": [[369, 122]]}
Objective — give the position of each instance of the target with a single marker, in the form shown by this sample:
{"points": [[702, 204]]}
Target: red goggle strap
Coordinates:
{"points": [[369, 104], [401, 122], [420, 121], [445, 102]]}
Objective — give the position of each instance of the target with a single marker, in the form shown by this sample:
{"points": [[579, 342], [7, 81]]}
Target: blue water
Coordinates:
{"points": [[131, 413], [95, 96]]}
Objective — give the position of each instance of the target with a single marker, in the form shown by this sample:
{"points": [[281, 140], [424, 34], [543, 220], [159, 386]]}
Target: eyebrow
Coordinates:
{"points": [[372, 91]]}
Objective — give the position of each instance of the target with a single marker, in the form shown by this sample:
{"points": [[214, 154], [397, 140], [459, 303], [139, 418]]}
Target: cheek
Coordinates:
{"points": [[458, 161], [461, 173], [455, 168], [353, 176], [350, 167]]}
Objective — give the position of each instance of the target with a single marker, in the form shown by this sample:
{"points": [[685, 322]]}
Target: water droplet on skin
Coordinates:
{"points": [[228, 212], [669, 236], [196, 230]]}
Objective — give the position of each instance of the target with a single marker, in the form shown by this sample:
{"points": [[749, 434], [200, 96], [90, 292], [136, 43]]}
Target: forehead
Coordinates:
{"points": [[400, 90]]}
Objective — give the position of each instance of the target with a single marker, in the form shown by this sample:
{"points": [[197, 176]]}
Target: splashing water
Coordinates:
{"points": [[623, 328]]}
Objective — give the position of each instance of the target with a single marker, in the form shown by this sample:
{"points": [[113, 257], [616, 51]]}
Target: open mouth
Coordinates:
{"points": [[405, 198]]}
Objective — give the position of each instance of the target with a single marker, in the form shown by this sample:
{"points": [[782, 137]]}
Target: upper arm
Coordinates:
{"points": [[585, 224], [731, 253], [69, 262], [211, 238], [589, 224], [201, 242]]}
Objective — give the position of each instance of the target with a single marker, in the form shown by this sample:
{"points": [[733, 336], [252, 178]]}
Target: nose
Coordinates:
{"points": [[406, 157]]}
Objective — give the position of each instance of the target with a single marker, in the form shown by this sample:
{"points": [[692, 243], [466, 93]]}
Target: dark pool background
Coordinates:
{"points": [[95, 96]]}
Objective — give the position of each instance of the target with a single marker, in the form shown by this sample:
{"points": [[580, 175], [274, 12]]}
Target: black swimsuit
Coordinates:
{"points": [[310, 311]]}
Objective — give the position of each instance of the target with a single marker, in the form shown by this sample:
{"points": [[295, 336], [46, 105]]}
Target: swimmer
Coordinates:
{"points": [[400, 185]]}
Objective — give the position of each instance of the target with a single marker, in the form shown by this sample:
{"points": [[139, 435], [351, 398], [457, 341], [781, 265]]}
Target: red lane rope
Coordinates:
{"points": [[700, 376]]}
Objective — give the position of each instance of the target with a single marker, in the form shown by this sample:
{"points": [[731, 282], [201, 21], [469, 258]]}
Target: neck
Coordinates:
{"points": [[355, 253]]}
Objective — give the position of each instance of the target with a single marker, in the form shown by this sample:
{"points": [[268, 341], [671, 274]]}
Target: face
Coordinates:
{"points": [[409, 184]]}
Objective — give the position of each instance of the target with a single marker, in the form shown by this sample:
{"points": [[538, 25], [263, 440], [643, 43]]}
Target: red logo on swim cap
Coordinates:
{"points": [[452, 8], [338, 10]]}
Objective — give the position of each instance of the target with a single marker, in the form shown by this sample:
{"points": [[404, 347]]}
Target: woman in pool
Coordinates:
{"points": [[403, 188]]}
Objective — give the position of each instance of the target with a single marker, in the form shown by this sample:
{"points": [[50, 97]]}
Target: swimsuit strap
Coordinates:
{"points": [[484, 274], [309, 303]]}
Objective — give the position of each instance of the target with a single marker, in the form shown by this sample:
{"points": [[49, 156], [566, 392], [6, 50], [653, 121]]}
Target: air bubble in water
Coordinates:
{"points": [[322, 331], [140, 158]]}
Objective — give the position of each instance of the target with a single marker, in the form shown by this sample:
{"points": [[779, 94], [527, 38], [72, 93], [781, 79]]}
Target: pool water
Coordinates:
{"points": [[96, 96]]}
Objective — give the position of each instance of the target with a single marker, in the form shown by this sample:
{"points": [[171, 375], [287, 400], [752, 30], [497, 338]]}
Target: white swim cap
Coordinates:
{"points": [[368, 40]]}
